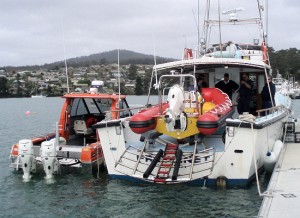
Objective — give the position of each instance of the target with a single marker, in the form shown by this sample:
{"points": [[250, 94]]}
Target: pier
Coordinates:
{"points": [[283, 192]]}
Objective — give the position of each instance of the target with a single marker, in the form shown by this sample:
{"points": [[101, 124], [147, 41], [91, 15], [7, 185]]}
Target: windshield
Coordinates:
{"points": [[84, 106]]}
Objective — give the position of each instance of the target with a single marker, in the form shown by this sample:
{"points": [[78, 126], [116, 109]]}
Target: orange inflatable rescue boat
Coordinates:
{"points": [[184, 114]]}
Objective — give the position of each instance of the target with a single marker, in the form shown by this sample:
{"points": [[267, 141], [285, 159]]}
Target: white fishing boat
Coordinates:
{"points": [[195, 136], [38, 96]]}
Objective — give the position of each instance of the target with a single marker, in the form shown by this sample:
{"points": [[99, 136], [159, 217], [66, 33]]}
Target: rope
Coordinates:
{"points": [[267, 138], [249, 118], [109, 142], [98, 167], [255, 165]]}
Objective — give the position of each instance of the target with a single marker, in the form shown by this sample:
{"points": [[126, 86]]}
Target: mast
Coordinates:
{"points": [[68, 89], [220, 33], [267, 20], [66, 66], [119, 79], [206, 24], [198, 32]]}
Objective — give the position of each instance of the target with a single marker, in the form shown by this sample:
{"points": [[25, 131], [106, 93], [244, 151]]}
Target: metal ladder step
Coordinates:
{"points": [[168, 158], [163, 172], [170, 152], [166, 163]]}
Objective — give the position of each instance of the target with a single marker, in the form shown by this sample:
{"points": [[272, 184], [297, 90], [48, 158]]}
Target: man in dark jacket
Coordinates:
{"points": [[201, 83], [245, 94], [266, 95], [228, 86]]}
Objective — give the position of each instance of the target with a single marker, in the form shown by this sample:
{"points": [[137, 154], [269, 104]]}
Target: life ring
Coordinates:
{"points": [[91, 121], [188, 54]]}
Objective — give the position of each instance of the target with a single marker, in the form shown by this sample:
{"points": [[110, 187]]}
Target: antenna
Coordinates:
{"points": [[119, 76], [154, 56], [267, 21], [66, 66], [153, 70], [233, 13], [198, 33], [220, 33]]}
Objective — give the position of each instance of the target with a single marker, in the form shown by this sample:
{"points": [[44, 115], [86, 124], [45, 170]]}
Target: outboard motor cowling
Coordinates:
{"points": [[175, 118], [26, 157], [48, 157]]}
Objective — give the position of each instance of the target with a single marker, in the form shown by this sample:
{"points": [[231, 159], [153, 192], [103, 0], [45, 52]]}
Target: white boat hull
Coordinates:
{"points": [[38, 96], [128, 158]]}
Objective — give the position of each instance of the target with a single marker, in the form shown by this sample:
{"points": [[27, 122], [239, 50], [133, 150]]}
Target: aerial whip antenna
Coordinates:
{"points": [[220, 34], [198, 33], [156, 84], [154, 56], [119, 74], [66, 66]]}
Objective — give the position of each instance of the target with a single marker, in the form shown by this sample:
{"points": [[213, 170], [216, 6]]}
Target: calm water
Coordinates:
{"points": [[75, 195]]}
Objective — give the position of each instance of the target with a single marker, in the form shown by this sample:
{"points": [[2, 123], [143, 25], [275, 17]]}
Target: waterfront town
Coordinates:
{"points": [[53, 82]]}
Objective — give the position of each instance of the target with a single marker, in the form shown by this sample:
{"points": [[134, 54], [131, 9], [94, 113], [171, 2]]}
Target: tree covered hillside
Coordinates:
{"points": [[286, 62]]}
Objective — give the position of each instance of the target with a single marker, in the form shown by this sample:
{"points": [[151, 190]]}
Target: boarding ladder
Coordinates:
{"points": [[132, 158], [168, 160], [171, 165]]}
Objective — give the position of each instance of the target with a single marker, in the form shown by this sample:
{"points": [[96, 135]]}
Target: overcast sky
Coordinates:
{"points": [[35, 31]]}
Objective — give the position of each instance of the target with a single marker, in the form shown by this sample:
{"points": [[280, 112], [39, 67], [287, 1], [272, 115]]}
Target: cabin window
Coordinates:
{"points": [[104, 104], [83, 106], [91, 105], [78, 107], [123, 105]]}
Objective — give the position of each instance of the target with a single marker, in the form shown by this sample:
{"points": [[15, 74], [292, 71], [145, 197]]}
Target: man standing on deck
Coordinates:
{"points": [[201, 83], [228, 86], [245, 94], [266, 95]]}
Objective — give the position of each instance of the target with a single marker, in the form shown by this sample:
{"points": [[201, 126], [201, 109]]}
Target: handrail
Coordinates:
{"points": [[180, 76], [139, 158], [193, 160], [125, 109], [108, 114], [269, 110]]}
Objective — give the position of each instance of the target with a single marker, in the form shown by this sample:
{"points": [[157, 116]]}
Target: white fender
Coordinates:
{"points": [[26, 157], [271, 157], [48, 157]]}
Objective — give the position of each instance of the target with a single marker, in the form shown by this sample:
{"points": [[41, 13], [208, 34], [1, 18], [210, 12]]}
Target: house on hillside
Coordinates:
{"points": [[129, 88], [141, 73], [17, 86]]}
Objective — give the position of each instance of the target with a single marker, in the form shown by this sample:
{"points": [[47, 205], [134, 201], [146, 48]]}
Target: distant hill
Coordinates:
{"points": [[108, 57]]}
